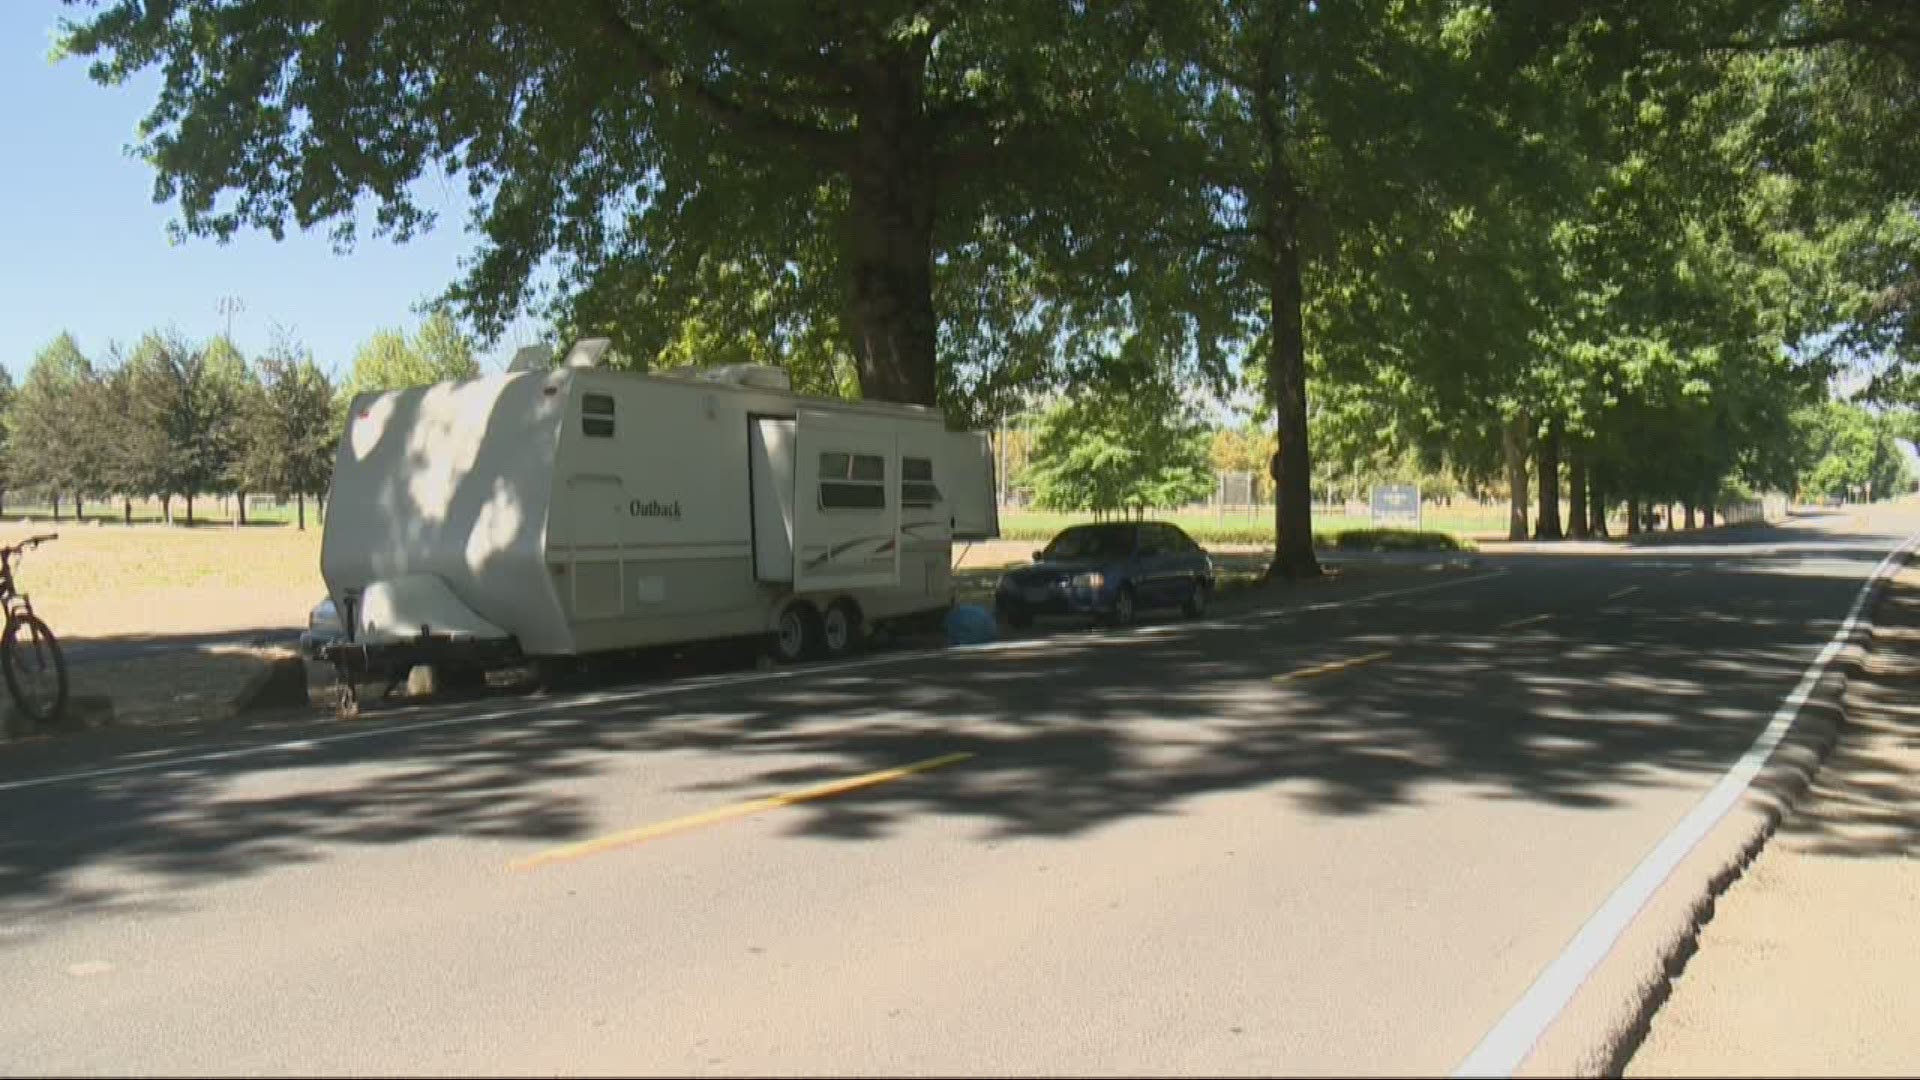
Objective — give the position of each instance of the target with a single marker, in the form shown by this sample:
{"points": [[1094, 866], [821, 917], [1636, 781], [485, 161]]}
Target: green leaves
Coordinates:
{"points": [[288, 435], [1144, 449], [388, 361]]}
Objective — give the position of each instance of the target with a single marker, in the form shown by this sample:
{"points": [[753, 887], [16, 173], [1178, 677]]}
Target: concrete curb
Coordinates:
{"points": [[1608, 1019]]}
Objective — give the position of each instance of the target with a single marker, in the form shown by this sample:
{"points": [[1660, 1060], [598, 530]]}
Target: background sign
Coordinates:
{"points": [[1396, 504]]}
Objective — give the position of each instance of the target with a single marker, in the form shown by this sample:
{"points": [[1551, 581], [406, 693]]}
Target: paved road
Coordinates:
{"points": [[1158, 857]]}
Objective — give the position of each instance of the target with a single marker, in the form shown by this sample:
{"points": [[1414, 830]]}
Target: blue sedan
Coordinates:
{"points": [[1109, 571]]}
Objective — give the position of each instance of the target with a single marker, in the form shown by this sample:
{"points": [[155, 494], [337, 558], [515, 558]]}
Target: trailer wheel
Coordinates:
{"points": [[797, 634], [840, 629]]}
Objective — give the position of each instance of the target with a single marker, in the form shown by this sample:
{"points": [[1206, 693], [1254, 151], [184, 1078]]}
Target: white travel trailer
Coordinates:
{"points": [[563, 511]]}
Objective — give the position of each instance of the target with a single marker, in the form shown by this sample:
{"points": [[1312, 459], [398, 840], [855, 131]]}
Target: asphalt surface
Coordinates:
{"points": [[1340, 836]]}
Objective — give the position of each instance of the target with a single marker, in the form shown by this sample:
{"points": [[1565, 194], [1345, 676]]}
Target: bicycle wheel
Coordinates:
{"points": [[36, 672]]}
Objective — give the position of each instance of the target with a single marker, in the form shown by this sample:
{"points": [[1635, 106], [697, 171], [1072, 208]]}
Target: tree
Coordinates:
{"points": [[288, 437], [1322, 154], [438, 351], [1134, 451], [1845, 452], [7, 394], [226, 385], [44, 419], [180, 435], [864, 162], [444, 349]]}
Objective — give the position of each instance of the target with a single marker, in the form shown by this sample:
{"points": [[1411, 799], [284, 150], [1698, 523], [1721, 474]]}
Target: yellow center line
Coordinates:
{"points": [[583, 848], [1328, 669], [1628, 591], [1528, 621]]}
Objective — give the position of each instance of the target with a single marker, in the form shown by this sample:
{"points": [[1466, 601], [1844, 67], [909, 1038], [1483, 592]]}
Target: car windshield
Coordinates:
{"points": [[1092, 542]]}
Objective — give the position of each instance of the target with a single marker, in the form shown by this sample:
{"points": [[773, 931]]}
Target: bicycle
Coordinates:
{"points": [[36, 672]]}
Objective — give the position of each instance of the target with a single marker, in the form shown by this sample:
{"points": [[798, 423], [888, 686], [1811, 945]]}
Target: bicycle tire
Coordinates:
{"points": [[13, 654]]}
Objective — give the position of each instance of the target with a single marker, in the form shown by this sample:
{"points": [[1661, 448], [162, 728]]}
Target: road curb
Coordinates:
{"points": [[1605, 1023]]}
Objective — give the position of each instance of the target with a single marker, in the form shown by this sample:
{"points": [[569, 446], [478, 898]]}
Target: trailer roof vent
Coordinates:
{"points": [[758, 376], [532, 358], [587, 352]]}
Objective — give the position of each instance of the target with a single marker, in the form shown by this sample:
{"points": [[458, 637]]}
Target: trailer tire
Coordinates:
{"points": [[840, 630], [796, 633]]}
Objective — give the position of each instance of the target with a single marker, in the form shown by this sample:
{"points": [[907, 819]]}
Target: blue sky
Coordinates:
{"points": [[87, 248]]}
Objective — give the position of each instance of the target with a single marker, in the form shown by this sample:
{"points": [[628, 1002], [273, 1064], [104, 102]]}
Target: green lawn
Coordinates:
{"points": [[1463, 520]]}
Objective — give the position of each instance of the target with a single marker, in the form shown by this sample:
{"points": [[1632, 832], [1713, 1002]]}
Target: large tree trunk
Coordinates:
{"points": [[1706, 514], [79, 507], [56, 506], [1514, 443], [189, 499], [239, 509], [1576, 494], [300, 504], [1287, 388], [1549, 464], [1277, 214], [1690, 521], [1596, 506], [1633, 515], [889, 239], [126, 511]]}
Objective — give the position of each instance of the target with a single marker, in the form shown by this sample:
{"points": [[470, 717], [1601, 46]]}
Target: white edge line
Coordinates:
{"points": [[1508, 1043], [707, 682]]}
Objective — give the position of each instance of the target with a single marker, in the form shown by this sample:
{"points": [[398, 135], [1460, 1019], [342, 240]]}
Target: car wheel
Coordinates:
{"points": [[1123, 607], [796, 635], [840, 630], [1196, 604]]}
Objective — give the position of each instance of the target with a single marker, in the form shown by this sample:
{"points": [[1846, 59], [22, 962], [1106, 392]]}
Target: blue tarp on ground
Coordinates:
{"points": [[970, 624]]}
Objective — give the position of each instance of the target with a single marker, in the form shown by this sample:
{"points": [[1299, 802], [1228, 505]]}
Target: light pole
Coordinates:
{"points": [[228, 307]]}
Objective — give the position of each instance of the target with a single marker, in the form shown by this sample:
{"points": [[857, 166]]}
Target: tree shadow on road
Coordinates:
{"points": [[1602, 699]]}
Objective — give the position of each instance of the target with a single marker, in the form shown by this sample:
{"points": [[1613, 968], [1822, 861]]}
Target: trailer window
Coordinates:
{"points": [[916, 482], [853, 481], [596, 415]]}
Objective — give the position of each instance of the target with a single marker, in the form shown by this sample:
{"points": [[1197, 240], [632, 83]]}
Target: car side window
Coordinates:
{"points": [[1151, 541], [1182, 542]]}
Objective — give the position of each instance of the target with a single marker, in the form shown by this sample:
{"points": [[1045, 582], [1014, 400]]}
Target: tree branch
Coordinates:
{"points": [[666, 80], [837, 76]]}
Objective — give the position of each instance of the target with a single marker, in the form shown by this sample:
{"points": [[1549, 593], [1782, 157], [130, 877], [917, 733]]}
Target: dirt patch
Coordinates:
{"points": [[190, 686]]}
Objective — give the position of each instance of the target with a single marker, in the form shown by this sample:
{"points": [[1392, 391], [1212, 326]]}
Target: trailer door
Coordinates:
{"points": [[969, 482], [846, 503], [770, 475]]}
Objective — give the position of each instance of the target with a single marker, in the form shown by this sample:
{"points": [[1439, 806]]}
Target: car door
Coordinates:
{"points": [[1151, 562], [1192, 566]]}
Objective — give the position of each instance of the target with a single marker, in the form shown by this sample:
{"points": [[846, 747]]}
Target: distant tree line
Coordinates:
{"points": [[173, 420]]}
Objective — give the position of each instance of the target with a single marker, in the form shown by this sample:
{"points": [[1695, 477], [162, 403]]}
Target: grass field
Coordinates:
{"points": [[102, 580], [1464, 520]]}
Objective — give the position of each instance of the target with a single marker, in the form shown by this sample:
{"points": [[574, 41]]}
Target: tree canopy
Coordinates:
{"points": [[1138, 451], [1611, 249]]}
